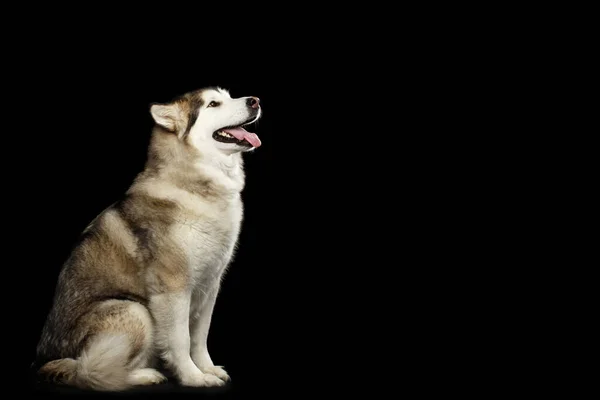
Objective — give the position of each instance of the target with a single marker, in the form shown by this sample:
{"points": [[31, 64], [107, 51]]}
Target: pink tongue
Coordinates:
{"points": [[241, 133]]}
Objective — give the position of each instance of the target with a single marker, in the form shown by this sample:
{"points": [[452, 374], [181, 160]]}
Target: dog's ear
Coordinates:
{"points": [[165, 115]]}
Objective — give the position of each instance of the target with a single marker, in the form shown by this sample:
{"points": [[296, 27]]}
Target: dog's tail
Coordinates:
{"points": [[102, 366]]}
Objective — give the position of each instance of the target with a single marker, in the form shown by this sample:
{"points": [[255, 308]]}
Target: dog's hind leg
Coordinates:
{"points": [[145, 376], [116, 352]]}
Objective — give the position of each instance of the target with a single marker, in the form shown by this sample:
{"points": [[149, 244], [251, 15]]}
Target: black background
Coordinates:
{"points": [[373, 208], [310, 298], [79, 136]]}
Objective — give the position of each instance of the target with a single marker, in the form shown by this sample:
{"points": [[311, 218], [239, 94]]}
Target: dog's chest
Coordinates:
{"points": [[208, 238]]}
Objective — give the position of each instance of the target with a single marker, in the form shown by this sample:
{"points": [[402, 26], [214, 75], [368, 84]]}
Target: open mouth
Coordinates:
{"points": [[237, 135]]}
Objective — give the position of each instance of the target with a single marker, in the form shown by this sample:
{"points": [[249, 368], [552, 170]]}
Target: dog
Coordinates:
{"points": [[140, 286]]}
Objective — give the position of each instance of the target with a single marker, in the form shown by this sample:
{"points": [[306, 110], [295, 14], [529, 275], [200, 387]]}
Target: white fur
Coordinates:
{"points": [[103, 365], [189, 313], [145, 376], [173, 339], [230, 112], [200, 320], [224, 170], [217, 371]]}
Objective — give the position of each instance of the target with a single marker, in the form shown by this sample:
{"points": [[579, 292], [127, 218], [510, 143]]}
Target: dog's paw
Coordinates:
{"points": [[202, 380], [217, 371], [146, 376]]}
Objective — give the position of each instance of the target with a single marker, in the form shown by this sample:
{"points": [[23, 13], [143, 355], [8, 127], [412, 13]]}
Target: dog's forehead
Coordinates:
{"points": [[215, 93]]}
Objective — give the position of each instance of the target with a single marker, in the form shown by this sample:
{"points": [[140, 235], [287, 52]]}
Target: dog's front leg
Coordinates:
{"points": [[171, 315], [199, 327]]}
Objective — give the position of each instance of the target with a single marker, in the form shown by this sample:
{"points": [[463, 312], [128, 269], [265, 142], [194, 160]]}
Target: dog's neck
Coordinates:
{"points": [[225, 172], [210, 173]]}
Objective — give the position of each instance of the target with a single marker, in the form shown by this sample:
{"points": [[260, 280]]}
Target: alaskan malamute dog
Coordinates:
{"points": [[142, 283]]}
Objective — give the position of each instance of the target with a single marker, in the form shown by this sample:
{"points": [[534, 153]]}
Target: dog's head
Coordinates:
{"points": [[209, 119]]}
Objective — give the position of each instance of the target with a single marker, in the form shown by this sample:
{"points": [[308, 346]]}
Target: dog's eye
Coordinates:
{"points": [[213, 104]]}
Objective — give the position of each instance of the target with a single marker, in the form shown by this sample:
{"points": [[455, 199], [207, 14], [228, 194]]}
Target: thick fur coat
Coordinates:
{"points": [[142, 282]]}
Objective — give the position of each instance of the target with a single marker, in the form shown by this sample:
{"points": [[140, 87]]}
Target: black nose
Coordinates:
{"points": [[252, 102]]}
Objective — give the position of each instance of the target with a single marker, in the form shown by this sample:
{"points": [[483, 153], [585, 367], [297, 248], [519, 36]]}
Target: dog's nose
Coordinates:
{"points": [[253, 102]]}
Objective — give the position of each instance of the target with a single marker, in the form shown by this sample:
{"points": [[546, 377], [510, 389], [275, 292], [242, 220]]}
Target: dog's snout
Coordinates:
{"points": [[253, 102]]}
